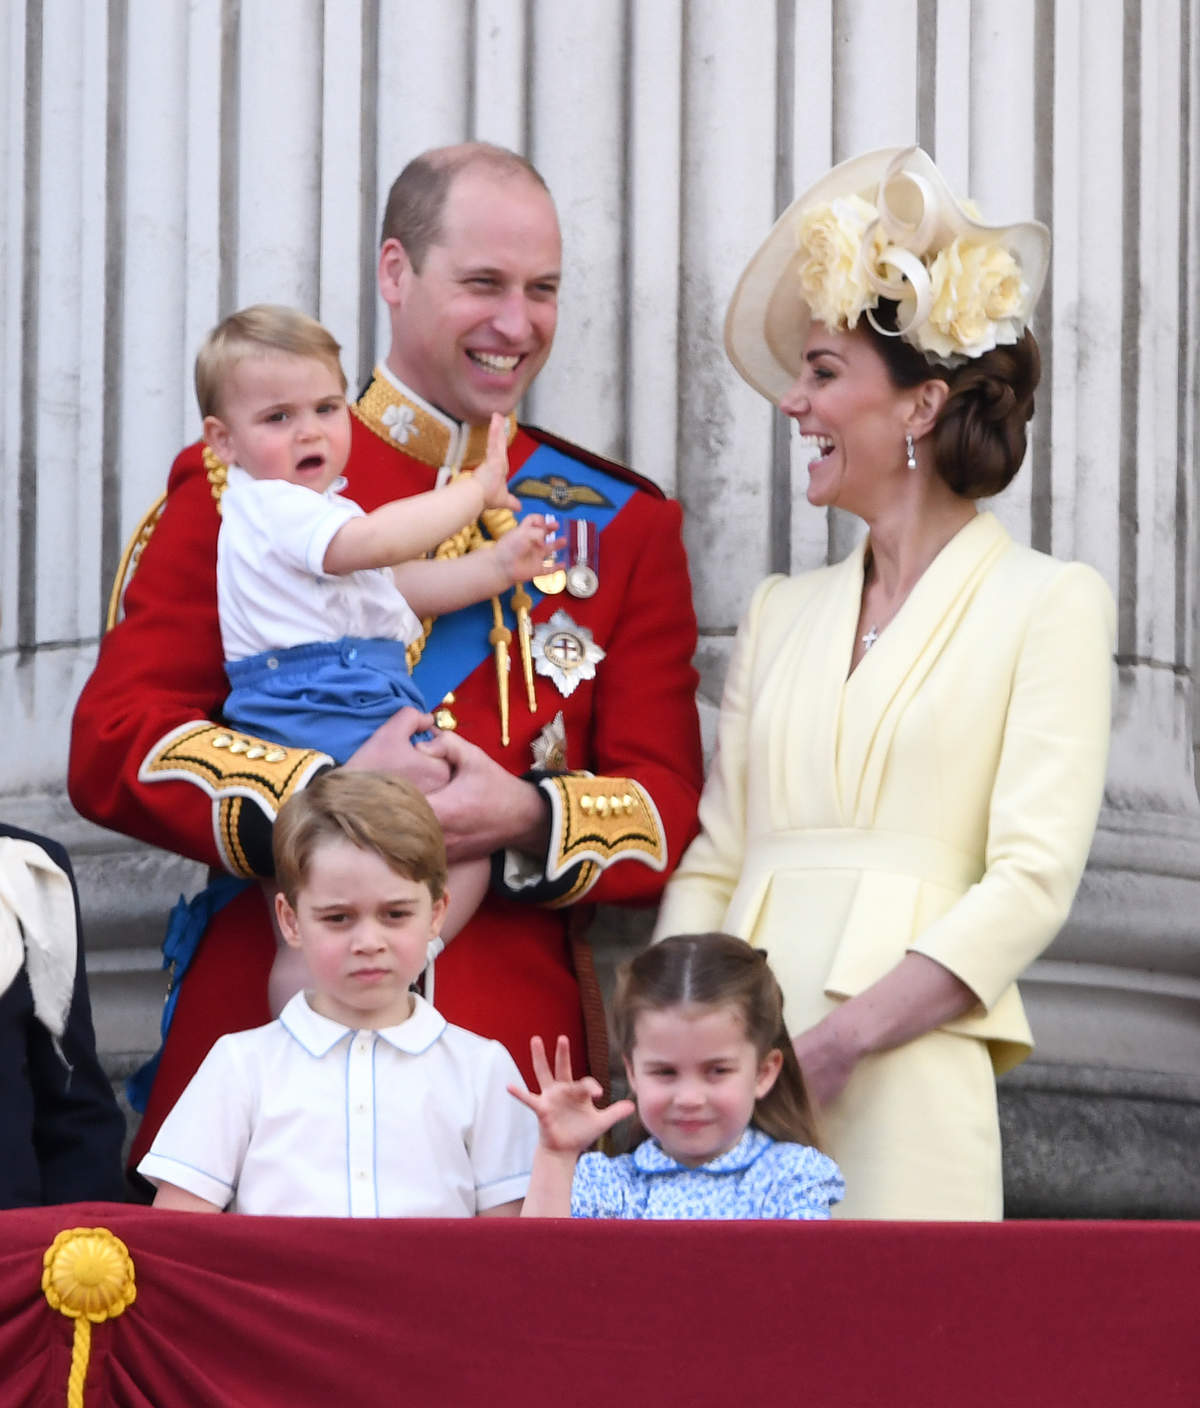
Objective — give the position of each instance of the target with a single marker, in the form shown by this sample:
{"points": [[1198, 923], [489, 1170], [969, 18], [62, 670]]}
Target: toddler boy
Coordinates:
{"points": [[359, 1100], [317, 600]]}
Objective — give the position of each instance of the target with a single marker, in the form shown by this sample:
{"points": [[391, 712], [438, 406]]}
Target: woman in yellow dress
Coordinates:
{"points": [[912, 742]]}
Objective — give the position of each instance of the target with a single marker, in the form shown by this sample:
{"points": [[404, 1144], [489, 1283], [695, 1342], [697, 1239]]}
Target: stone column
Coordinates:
{"points": [[1106, 1114]]}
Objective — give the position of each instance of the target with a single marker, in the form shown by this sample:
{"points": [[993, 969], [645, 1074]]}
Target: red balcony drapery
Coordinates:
{"points": [[270, 1311]]}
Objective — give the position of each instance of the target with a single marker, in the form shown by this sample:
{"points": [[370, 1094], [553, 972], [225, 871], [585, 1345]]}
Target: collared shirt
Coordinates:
{"points": [[305, 1117], [758, 1178], [272, 588]]}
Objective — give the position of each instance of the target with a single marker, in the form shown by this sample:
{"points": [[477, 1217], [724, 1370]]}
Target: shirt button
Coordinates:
{"points": [[272, 663], [361, 1174], [360, 1109]]}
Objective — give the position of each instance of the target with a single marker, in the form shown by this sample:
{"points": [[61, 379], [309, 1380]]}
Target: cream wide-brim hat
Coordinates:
{"points": [[767, 323]]}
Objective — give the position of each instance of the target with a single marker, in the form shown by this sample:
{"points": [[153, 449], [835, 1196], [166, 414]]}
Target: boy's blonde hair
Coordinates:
{"points": [[374, 811], [253, 332]]}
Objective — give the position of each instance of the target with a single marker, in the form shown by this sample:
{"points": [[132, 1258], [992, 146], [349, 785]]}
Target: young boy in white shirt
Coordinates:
{"points": [[359, 1100], [317, 600]]}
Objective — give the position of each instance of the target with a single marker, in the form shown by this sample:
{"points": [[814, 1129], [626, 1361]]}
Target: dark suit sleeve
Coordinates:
{"points": [[62, 1126]]}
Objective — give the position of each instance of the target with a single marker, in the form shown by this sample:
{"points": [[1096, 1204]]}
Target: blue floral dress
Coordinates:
{"points": [[758, 1178]]}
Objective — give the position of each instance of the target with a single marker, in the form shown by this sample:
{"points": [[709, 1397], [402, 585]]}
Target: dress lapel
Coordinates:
{"points": [[799, 697], [880, 689]]}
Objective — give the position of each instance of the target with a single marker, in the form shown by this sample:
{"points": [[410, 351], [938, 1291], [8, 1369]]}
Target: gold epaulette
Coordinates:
{"points": [[595, 821], [217, 472], [232, 768], [129, 560]]}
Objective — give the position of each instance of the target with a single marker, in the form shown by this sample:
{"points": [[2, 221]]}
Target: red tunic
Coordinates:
{"points": [[512, 971]]}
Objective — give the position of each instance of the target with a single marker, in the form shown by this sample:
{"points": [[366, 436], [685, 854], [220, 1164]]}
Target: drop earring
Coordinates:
{"points": [[912, 451]]}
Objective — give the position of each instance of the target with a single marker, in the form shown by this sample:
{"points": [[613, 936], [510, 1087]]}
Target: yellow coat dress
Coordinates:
{"points": [[941, 799]]}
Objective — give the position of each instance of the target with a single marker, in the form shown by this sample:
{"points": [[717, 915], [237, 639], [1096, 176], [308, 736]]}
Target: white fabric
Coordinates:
{"points": [[272, 589], [37, 928], [304, 1117]]}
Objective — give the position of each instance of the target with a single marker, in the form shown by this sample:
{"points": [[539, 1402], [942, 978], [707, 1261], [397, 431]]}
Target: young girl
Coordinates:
{"points": [[699, 1022]]}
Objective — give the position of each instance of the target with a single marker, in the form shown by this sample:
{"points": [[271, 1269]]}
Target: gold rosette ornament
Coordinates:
{"points": [[88, 1276]]}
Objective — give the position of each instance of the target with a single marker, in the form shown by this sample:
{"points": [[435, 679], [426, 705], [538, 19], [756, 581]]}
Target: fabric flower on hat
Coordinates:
{"points": [[880, 229], [978, 297], [831, 239]]}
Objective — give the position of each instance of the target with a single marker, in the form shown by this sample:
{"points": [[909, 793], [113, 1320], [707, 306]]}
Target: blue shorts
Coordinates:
{"points": [[330, 695]]}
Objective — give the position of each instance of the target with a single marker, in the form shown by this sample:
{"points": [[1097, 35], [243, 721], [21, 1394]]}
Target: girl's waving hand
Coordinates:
{"points": [[568, 1119], [568, 1123]]}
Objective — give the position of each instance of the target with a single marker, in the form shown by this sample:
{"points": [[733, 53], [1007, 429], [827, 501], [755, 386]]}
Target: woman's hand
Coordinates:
{"points": [[828, 1055], [916, 996], [569, 1120]]}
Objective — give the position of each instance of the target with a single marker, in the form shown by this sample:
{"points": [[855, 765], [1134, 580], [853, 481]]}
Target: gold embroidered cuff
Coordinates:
{"points": [[600, 820], [234, 768], [586, 876]]}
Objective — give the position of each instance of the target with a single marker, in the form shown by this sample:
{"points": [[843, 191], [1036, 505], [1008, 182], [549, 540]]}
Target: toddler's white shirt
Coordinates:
{"points": [[272, 589], [305, 1117]]}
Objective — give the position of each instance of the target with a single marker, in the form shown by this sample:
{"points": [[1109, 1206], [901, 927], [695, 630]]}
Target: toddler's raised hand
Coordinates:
{"points": [[568, 1119], [492, 474], [523, 551]]}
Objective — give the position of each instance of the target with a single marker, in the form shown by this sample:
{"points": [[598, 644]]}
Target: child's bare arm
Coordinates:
{"points": [[434, 586], [406, 528], [180, 1200], [568, 1123]]}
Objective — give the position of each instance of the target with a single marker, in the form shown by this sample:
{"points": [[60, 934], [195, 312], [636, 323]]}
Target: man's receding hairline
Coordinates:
{"points": [[464, 156], [417, 219]]}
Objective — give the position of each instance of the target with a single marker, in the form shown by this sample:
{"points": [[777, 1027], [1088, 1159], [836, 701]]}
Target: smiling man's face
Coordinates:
{"points": [[473, 327]]}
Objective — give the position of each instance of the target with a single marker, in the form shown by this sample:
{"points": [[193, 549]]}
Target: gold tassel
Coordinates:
{"points": [[499, 521], [499, 637], [522, 605]]}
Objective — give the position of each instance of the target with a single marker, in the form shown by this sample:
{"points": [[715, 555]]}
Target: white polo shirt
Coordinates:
{"points": [[272, 588], [305, 1117]]}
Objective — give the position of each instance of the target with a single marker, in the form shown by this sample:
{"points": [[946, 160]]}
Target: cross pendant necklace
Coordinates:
{"points": [[870, 638]]}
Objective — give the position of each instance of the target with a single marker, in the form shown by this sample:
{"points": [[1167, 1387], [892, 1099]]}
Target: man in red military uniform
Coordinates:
{"points": [[568, 716]]}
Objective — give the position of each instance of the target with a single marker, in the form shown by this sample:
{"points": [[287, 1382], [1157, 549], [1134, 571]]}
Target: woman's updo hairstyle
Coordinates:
{"points": [[979, 439]]}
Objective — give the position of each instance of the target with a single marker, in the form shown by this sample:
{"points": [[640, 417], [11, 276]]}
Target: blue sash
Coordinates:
{"points": [[185, 928], [458, 644]]}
